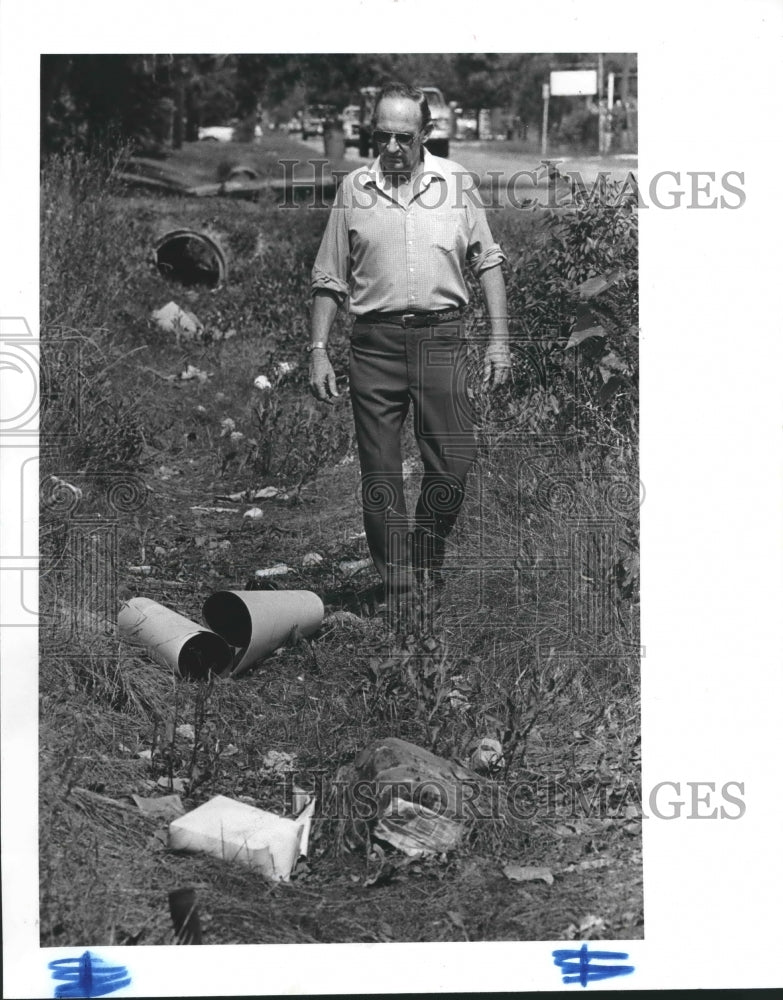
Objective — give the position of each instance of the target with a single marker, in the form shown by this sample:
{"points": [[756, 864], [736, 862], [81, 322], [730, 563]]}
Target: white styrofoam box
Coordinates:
{"points": [[235, 831]]}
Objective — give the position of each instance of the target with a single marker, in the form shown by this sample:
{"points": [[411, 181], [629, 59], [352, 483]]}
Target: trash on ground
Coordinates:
{"points": [[191, 257], [227, 425], [300, 799], [416, 830], [312, 559], [266, 493], [284, 368], [162, 806], [278, 761], [255, 514], [487, 756], [279, 569], [173, 640], [215, 510], [351, 566], [186, 731], [305, 820], [167, 472], [355, 536], [171, 318], [140, 570], [191, 372], [417, 797], [257, 622], [236, 832], [236, 435], [528, 873], [145, 754], [262, 382]]}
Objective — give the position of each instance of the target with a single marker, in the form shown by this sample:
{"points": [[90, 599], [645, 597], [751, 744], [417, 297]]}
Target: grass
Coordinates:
{"points": [[507, 655]]}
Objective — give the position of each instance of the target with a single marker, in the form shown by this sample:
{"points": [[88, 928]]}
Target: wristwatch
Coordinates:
{"points": [[319, 345]]}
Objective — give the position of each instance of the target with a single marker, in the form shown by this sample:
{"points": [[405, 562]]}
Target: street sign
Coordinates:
{"points": [[573, 82]]}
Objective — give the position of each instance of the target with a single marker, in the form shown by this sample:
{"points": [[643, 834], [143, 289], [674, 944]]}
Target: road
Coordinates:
{"points": [[515, 174]]}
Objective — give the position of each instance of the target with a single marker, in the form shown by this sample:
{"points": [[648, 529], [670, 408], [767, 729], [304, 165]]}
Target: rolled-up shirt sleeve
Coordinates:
{"points": [[483, 253], [332, 263]]}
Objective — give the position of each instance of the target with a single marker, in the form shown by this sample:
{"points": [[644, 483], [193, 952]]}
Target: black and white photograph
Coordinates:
{"points": [[288, 300], [377, 547]]}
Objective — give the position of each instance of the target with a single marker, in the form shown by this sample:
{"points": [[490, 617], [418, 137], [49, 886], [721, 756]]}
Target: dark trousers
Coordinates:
{"points": [[390, 368]]}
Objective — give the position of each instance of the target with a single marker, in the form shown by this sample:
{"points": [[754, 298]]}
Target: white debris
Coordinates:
{"points": [[62, 484], [236, 435], [487, 756], [279, 569], [262, 382], [192, 372], [351, 566], [255, 514], [278, 761], [186, 731], [140, 570], [227, 425], [236, 832], [172, 319], [267, 493], [283, 369], [312, 559]]}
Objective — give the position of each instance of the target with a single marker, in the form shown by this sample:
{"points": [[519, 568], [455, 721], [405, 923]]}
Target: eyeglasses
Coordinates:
{"points": [[384, 138]]}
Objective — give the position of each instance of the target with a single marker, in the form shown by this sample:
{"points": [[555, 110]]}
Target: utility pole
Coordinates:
{"points": [[601, 109], [545, 122]]}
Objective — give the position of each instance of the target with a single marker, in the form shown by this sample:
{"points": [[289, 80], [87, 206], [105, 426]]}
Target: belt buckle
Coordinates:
{"points": [[407, 320]]}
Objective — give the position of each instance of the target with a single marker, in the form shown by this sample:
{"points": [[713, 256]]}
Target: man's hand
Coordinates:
{"points": [[497, 365], [323, 383]]}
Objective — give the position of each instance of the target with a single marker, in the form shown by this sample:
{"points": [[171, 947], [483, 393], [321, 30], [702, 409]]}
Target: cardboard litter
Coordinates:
{"points": [[416, 830], [236, 832]]}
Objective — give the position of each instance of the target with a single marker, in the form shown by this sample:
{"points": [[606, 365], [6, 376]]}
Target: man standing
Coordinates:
{"points": [[398, 237]]}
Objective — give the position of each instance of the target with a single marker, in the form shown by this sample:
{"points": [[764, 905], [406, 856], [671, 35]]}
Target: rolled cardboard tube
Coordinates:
{"points": [[259, 621], [173, 640]]}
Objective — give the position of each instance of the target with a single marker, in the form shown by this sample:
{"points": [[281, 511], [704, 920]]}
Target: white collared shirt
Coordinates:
{"points": [[405, 248]]}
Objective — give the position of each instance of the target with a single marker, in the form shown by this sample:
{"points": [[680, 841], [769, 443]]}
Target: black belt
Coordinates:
{"points": [[412, 319]]}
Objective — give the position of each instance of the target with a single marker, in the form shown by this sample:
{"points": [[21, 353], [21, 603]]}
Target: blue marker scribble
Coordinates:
{"points": [[88, 976], [577, 968]]}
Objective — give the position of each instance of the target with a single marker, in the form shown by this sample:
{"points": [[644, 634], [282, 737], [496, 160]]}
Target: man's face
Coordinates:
{"points": [[399, 114]]}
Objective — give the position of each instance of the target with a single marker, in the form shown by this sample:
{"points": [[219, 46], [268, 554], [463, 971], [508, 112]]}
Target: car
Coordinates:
{"points": [[351, 116], [314, 117], [216, 133], [438, 142], [224, 133]]}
